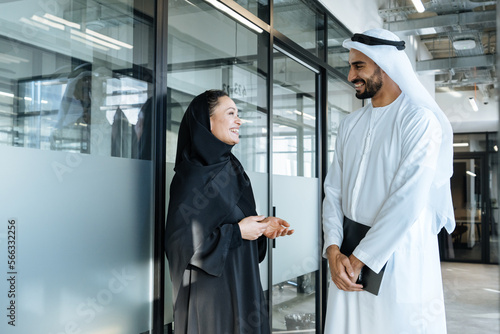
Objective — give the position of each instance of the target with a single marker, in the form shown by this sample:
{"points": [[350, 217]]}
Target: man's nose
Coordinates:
{"points": [[351, 75]]}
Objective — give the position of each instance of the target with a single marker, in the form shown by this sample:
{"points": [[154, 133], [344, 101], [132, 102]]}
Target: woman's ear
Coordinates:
{"points": [[210, 123]]}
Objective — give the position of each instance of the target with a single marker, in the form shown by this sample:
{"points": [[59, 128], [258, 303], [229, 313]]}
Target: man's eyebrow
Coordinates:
{"points": [[359, 62]]}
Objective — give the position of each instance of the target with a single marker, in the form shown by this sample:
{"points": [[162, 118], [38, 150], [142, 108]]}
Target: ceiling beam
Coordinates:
{"points": [[438, 24], [443, 65]]}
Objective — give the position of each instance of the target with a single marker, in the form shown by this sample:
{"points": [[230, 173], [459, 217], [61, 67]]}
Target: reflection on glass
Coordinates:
{"points": [[467, 194], [341, 102], [337, 54], [474, 186], [294, 167], [208, 50], [494, 211], [294, 304], [75, 81], [294, 118], [299, 21], [259, 8], [71, 82]]}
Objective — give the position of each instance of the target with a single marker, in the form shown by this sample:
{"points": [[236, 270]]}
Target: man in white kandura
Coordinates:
{"points": [[391, 171]]}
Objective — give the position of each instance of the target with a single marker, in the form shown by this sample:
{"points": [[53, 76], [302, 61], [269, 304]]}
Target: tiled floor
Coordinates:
{"points": [[472, 298]]}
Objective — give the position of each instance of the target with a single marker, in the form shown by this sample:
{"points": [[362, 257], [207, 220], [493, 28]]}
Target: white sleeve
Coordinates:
{"points": [[409, 191], [332, 204]]}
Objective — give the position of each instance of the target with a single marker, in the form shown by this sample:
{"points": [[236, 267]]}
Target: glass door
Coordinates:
{"points": [[295, 260], [210, 50], [469, 242]]}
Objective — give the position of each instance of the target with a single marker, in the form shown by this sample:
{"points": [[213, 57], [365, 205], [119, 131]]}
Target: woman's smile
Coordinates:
{"points": [[225, 123]]}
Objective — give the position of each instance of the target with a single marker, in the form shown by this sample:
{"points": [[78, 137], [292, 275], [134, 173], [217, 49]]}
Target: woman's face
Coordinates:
{"points": [[225, 123]]}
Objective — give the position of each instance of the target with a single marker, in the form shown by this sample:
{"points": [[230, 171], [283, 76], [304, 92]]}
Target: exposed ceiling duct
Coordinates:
{"points": [[460, 35]]}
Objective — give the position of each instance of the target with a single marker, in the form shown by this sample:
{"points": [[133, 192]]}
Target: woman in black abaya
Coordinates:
{"points": [[214, 237]]}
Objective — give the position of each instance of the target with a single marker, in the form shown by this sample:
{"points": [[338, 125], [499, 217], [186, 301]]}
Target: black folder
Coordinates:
{"points": [[353, 233]]}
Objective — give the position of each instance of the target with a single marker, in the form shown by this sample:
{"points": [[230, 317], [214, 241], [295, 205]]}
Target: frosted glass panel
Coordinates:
{"points": [[297, 254], [83, 243]]}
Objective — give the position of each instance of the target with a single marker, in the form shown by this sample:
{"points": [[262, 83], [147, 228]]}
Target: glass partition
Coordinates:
{"points": [[302, 23], [468, 192], [337, 54], [492, 200], [259, 8], [76, 81], [475, 200], [294, 118], [209, 50], [341, 102], [295, 269], [494, 217], [473, 142]]}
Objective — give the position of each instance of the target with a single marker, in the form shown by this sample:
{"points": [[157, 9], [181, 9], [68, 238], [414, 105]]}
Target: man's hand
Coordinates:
{"points": [[356, 265], [277, 227], [344, 273]]}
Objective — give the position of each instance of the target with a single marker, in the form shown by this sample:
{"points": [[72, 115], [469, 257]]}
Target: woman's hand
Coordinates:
{"points": [[277, 227], [252, 227]]}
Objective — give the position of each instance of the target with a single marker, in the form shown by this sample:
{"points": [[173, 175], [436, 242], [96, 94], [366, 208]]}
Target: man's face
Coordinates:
{"points": [[364, 74]]}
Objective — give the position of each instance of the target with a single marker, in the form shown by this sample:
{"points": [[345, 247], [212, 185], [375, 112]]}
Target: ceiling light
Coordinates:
{"points": [[5, 58], [6, 94], [63, 21], [109, 39], [419, 6], [34, 24], [235, 15], [95, 40], [47, 22], [473, 104], [464, 44], [89, 43], [470, 173], [460, 144]]}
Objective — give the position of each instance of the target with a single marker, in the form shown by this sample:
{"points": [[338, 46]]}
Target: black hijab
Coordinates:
{"points": [[208, 183]]}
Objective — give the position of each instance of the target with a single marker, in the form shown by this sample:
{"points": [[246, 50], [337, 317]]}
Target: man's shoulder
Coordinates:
{"points": [[410, 109], [412, 114]]}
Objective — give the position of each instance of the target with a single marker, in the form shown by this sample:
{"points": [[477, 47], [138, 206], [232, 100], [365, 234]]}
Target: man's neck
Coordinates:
{"points": [[385, 96]]}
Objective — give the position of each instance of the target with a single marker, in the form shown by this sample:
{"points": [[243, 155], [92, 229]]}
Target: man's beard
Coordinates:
{"points": [[372, 85]]}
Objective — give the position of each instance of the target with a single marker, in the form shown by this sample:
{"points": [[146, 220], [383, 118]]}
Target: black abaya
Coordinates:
{"points": [[215, 273]]}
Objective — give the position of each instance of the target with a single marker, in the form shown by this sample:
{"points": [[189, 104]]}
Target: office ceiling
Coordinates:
{"points": [[460, 36]]}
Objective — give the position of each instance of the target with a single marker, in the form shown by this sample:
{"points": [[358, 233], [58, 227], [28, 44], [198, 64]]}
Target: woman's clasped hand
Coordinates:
{"points": [[253, 227]]}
